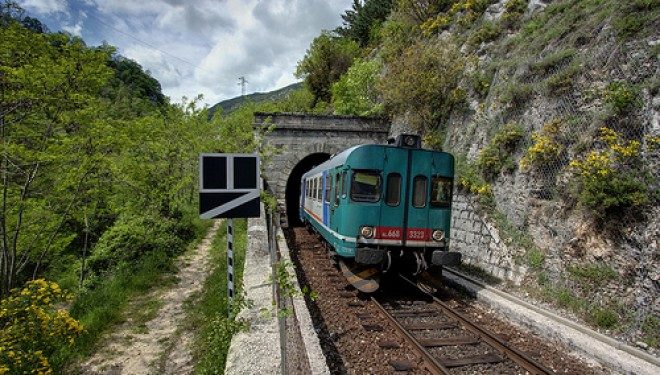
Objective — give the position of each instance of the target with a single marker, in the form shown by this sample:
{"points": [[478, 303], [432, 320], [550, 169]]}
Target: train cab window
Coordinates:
{"points": [[366, 186], [338, 187], [393, 192], [441, 191], [327, 189], [419, 191]]}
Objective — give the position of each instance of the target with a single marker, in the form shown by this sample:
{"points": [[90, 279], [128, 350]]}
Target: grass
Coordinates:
{"points": [[592, 273], [207, 315], [106, 305]]}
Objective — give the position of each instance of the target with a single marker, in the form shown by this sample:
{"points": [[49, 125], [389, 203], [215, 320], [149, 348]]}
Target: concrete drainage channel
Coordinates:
{"points": [[281, 338], [589, 343]]}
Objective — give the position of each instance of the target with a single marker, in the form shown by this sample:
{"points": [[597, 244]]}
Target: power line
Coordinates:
{"points": [[147, 44]]}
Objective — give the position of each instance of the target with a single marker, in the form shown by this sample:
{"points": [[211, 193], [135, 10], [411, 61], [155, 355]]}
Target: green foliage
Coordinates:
{"points": [[396, 36], [433, 140], [423, 84], [488, 31], [355, 92], [598, 274], [513, 12], [562, 81], [546, 148], [470, 180], [552, 61], [515, 94], [207, 316], [327, 58], [603, 317], [365, 16], [611, 179], [535, 258], [497, 155], [33, 326], [651, 331], [621, 97], [481, 82]]}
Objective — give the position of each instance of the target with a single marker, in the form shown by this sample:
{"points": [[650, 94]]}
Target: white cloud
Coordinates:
{"points": [[74, 29], [45, 6]]}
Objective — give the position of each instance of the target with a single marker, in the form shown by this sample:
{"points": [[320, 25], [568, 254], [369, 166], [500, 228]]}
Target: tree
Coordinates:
{"points": [[363, 18], [356, 91], [326, 60], [48, 91]]}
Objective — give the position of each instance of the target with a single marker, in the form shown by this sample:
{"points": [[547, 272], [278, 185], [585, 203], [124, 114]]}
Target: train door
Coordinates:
{"points": [[418, 198], [392, 212], [335, 195], [325, 197]]}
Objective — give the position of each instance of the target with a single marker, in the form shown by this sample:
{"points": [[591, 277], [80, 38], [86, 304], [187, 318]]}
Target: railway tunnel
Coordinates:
{"points": [[292, 192]]}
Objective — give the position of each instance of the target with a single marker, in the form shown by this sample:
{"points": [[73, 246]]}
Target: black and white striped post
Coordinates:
{"points": [[230, 264], [229, 188]]}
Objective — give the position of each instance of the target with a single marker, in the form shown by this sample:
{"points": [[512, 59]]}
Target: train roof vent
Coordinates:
{"points": [[409, 141]]}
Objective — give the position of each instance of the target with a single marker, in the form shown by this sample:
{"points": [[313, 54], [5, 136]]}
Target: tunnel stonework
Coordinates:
{"points": [[296, 136]]}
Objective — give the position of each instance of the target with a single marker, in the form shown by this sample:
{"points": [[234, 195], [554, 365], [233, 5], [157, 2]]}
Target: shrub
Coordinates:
{"points": [[33, 328], [497, 155], [487, 32], [546, 147], [535, 258], [515, 94], [553, 60], [621, 97], [470, 180], [513, 12], [593, 273], [433, 140], [423, 83], [481, 82], [562, 81], [603, 317], [133, 237], [610, 179]]}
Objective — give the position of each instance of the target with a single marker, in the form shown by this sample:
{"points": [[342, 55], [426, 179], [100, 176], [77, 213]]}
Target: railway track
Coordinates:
{"points": [[447, 341]]}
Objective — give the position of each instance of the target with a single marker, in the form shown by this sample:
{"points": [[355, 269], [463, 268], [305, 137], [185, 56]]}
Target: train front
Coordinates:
{"points": [[401, 208]]}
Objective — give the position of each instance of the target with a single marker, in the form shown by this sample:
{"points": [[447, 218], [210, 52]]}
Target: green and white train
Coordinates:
{"points": [[380, 206]]}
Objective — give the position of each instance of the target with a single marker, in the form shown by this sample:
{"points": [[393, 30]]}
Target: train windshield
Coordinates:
{"points": [[441, 191], [366, 186]]}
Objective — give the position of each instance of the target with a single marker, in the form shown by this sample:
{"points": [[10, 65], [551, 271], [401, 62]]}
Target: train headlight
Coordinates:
{"points": [[367, 232], [409, 141], [438, 235]]}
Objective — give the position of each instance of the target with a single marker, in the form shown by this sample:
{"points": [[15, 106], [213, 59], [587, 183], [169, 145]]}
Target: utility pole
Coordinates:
{"points": [[242, 82]]}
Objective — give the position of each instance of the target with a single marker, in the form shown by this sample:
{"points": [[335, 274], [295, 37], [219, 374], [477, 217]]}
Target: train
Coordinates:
{"points": [[379, 206]]}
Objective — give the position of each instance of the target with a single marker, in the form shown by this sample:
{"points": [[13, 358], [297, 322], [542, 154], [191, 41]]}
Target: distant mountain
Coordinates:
{"points": [[229, 105]]}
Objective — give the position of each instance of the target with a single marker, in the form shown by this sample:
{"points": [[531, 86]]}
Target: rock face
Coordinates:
{"points": [[571, 79]]}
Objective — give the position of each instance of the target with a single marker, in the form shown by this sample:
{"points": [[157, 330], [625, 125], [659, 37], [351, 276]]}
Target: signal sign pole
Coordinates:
{"points": [[230, 263], [229, 188]]}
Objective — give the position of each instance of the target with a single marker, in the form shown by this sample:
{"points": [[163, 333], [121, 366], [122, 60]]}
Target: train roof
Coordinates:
{"points": [[334, 161]]}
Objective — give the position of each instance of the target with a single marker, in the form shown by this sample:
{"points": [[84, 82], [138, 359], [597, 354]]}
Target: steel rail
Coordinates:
{"points": [[431, 364], [497, 343]]}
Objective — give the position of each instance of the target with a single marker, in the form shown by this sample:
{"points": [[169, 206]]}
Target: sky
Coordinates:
{"points": [[200, 46]]}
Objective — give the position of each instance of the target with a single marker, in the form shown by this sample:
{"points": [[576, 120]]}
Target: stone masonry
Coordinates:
{"points": [[296, 136]]}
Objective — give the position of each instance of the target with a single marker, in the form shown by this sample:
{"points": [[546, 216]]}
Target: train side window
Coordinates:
{"points": [[314, 188], [441, 190], [338, 187], [393, 192], [327, 189], [344, 186], [319, 188], [419, 191], [366, 186]]}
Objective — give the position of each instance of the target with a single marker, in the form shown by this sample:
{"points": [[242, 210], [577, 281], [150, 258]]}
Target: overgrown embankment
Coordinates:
{"points": [[551, 108]]}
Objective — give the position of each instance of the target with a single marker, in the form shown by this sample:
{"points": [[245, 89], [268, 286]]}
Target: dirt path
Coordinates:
{"points": [[157, 346]]}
